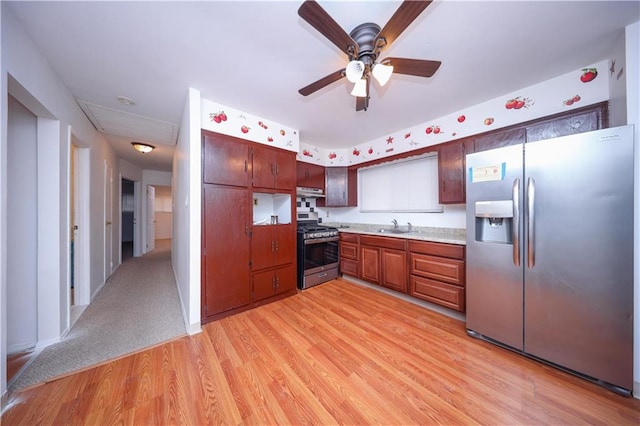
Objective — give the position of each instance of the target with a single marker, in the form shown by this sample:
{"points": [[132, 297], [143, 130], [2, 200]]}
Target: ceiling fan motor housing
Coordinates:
{"points": [[365, 35]]}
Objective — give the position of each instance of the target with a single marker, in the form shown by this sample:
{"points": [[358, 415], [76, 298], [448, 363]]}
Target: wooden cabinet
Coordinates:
{"points": [[349, 254], [499, 139], [370, 264], [451, 155], [341, 187], [226, 273], [451, 172], [272, 245], [309, 175], [273, 168], [437, 273], [267, 284], [394, 269], [225, 160], [383, 261], [577, 122], [245, 265]]}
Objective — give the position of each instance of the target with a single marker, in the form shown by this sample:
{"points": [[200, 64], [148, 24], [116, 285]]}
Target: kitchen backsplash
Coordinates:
{"points": [[304, 205]]}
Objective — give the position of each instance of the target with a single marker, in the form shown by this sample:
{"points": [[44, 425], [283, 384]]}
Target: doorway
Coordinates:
{"points": [[128, 220]]}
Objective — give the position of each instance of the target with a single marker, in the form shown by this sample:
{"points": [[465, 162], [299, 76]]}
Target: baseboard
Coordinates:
{"points": [[194, 328], [428, 305], [95, 294]]}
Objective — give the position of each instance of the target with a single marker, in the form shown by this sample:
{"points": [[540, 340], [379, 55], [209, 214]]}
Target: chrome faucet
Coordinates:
{"points": [[410, 227], [395, 224]]}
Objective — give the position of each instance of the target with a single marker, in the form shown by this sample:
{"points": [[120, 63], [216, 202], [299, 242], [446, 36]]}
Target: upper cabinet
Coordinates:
{"points": [[225, 160], [341, 187], [309, 175], [273, 168], [451, 155], [579, 121], [499, 139], [451, 186]]}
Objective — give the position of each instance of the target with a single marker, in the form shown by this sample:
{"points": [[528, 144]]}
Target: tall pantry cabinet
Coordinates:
{"points": [[241, 183]]}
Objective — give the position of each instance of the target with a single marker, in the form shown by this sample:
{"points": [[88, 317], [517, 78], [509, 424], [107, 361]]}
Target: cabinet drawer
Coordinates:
{"points": [[384, 242], [438, 292], [349, 250], [438, 268], [452, 251], [349, 267], [349, 237]]}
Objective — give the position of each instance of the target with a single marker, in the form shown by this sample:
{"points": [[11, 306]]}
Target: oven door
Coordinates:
{"points": [[320, 254]]}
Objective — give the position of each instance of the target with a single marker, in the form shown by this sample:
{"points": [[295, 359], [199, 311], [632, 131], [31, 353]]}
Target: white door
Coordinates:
{"points": [[151, 217]]}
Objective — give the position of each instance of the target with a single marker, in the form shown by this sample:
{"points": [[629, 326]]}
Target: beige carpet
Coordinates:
{"points": [[138, 307]]}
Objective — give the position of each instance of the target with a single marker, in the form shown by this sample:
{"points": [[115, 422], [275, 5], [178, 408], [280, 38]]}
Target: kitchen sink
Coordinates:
{"points": [[392, 231]]}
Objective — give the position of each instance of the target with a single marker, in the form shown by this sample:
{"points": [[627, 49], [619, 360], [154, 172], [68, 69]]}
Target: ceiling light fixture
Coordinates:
{"points": [[143, 147], [126, 101], [354, 71], [382, 73], [360, 88]]}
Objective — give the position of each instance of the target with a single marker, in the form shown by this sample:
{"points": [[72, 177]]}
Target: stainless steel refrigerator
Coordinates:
{"points": [[550, 252]]}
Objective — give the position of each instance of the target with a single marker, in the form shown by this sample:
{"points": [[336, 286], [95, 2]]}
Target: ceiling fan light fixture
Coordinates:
{"points": [[360, 88], [143, 147], [355, 69], [382, 73]]}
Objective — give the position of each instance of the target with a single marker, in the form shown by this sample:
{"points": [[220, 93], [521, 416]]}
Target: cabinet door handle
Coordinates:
{"points": [[277, 246], [277, 168], [273, 246]]}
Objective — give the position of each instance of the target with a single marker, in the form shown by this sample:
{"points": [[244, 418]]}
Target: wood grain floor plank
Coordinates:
{"points": [[338, 353]]}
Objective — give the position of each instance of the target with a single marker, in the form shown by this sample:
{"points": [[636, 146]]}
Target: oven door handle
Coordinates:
{"points": [[320, 240]]}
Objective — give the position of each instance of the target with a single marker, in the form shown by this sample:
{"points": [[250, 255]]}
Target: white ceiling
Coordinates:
{"points": [[254, 56]]}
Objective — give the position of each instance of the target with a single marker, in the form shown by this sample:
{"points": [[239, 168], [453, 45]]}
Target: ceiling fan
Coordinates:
{"points": [[363, 46]]}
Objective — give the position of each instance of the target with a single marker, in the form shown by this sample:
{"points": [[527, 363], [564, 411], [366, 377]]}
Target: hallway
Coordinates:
{"points": [[137, 308]]}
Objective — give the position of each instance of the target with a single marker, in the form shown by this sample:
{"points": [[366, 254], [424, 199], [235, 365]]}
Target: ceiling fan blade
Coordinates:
{"points": [[316, 16], [401, 19], [362, 103], [419, 67], [324, 81]]}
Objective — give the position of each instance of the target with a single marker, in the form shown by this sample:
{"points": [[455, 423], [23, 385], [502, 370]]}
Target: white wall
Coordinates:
{"points": [[29, 77], [22, 314], [185, 244]]}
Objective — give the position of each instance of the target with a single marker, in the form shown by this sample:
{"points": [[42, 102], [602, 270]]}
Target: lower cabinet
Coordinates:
{"points": [[430, 271], [349, 250], [271, 283], [437, 273], [225, 267], [384, 261], [394, 269]]}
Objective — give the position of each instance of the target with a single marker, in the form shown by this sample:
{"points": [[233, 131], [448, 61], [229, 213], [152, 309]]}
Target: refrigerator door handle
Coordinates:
{"points": [[531, 199], [515, 228]]}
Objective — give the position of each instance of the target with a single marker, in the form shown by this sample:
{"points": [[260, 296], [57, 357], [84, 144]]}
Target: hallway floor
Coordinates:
{"points": [[137, 308]]}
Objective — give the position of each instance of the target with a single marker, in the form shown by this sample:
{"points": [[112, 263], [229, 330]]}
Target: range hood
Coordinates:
{"points": [[309, 192]]}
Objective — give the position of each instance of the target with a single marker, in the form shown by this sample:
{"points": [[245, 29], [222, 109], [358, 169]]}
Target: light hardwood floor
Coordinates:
{"points": [[338, 353]]}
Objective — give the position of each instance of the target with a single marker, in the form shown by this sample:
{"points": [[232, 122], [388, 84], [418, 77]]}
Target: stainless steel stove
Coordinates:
{"points": [[318, 251]]}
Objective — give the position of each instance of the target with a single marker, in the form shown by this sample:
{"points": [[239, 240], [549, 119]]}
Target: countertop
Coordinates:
{"points": [[438, 235]]}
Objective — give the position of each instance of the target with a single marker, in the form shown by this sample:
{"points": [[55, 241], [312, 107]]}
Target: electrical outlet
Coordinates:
{"points": [[327, 214], [255, 201]]}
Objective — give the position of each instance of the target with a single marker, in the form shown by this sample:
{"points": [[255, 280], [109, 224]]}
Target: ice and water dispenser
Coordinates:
{"points": [[494, 221]]}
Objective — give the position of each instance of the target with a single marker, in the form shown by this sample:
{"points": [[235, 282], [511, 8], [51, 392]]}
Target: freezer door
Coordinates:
{"points": [[494, 271], [579, 253]]}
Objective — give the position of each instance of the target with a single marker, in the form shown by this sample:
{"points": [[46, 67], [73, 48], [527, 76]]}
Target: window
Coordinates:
{"points": [[407, 185]]}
